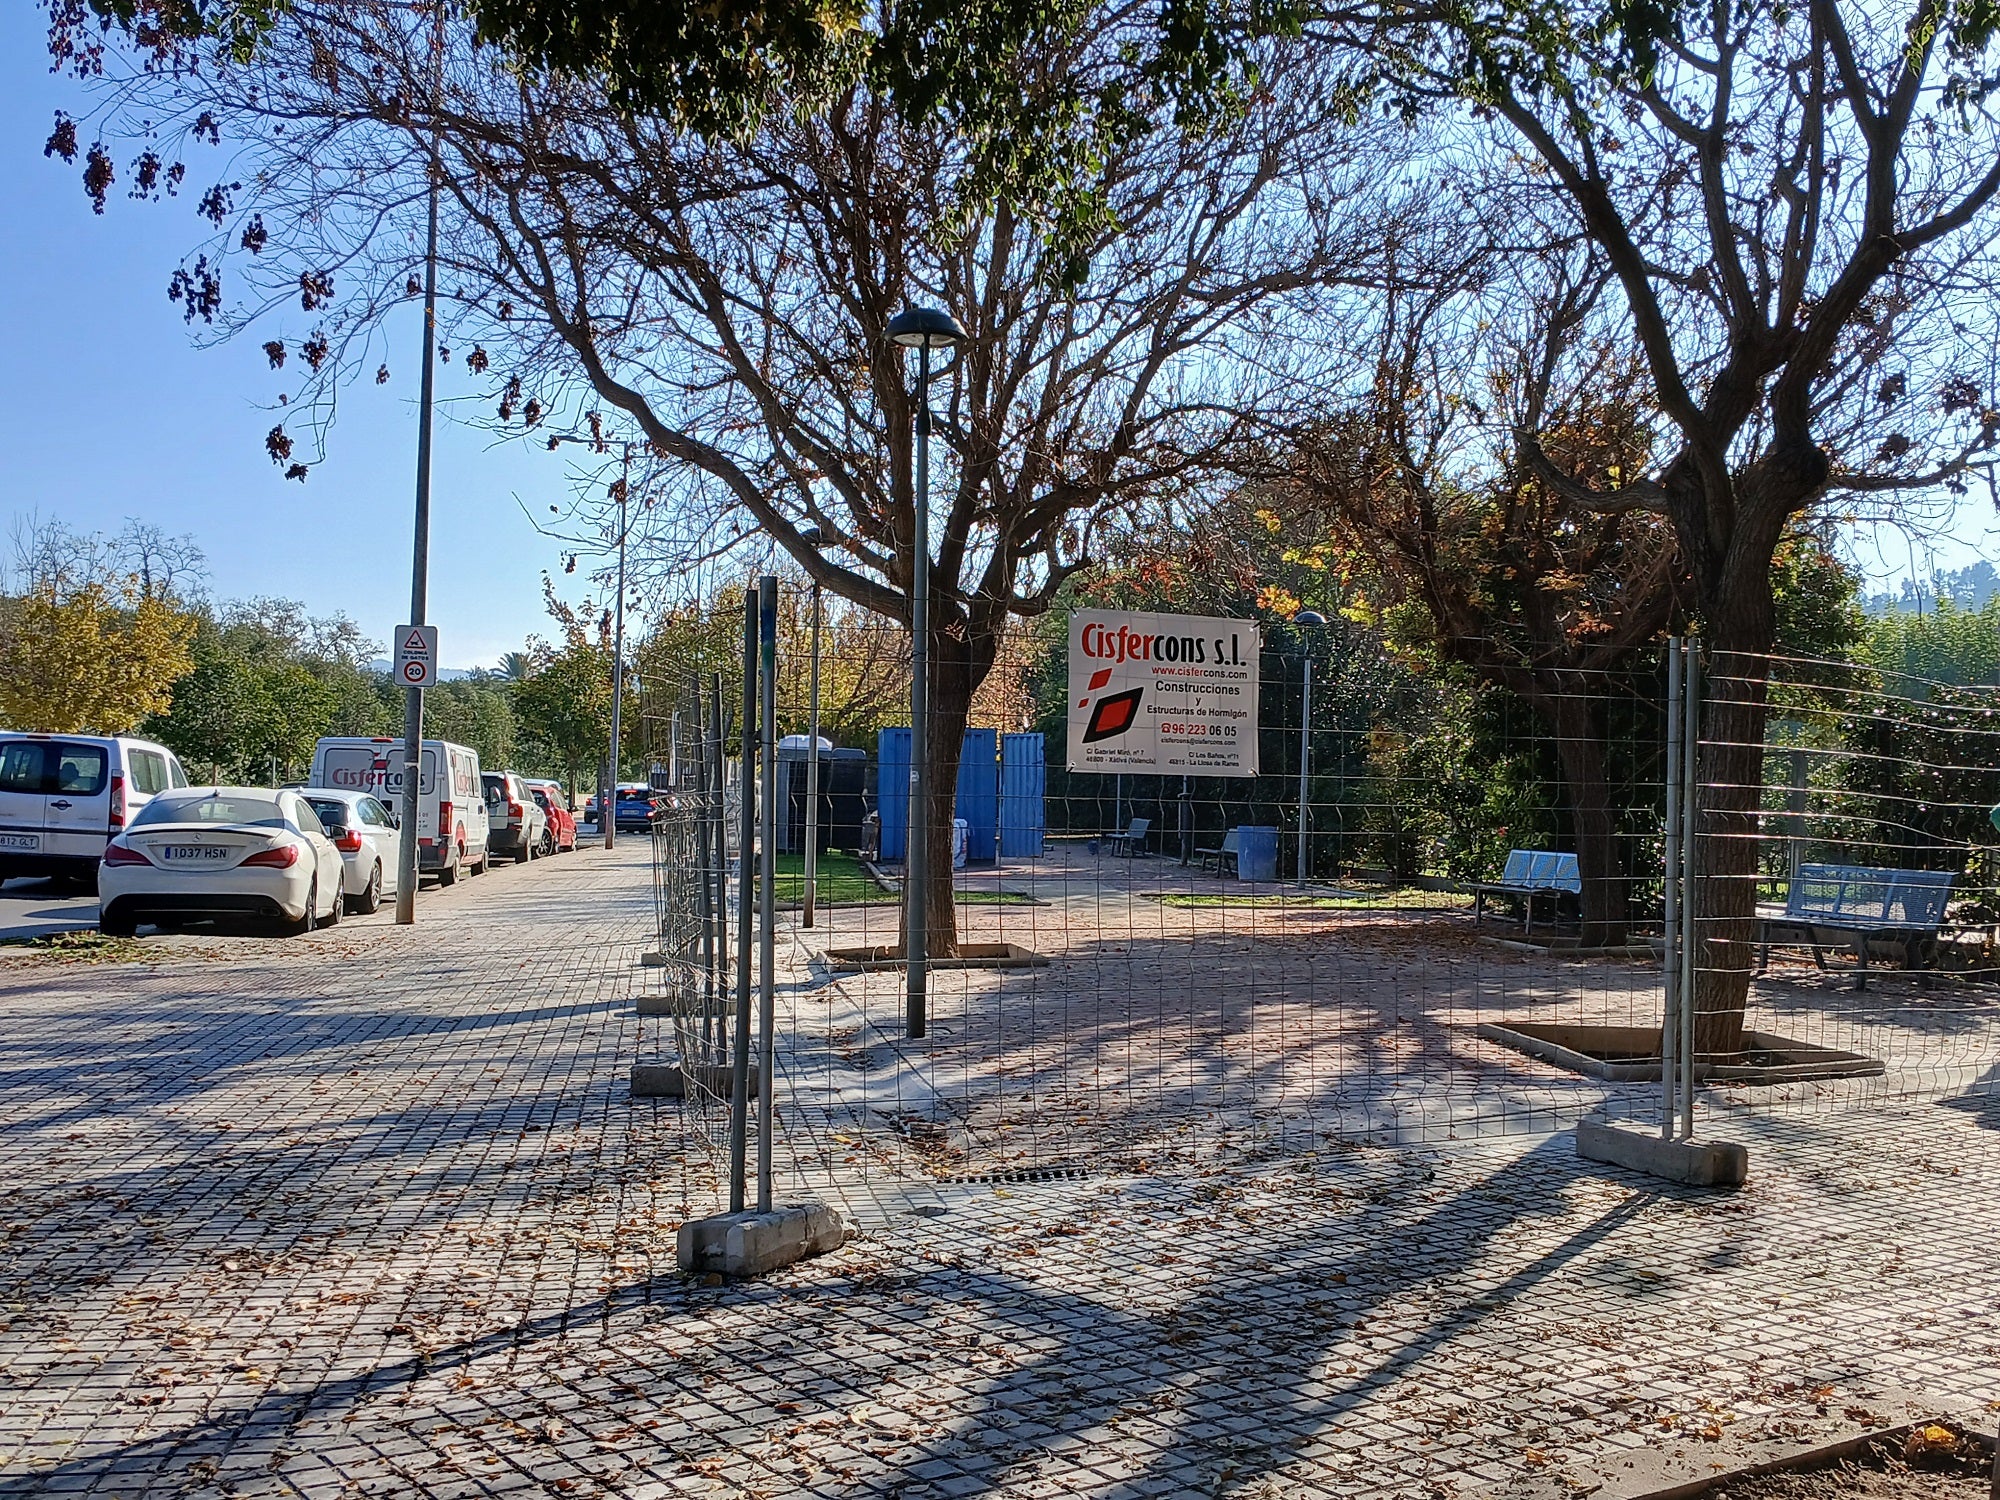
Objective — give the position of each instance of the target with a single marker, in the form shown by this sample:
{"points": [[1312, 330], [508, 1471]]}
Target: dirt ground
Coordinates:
{"points": [[1963, 1471]]}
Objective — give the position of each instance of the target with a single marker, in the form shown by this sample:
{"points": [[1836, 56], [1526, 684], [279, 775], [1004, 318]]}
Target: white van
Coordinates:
{"points": [[62, 797], [449, 796]]}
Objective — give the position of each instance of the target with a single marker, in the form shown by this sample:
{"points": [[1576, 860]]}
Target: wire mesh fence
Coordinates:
{"points": [[1437, 910], [1845, 942]]}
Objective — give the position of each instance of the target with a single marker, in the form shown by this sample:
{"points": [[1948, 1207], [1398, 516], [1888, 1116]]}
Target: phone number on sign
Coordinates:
{"points": [[1198, 731]]}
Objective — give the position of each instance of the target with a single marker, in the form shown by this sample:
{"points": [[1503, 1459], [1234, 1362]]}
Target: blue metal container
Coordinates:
{"points": [[892, 790], [979, 794], [1256, 853], [1023, 784]]}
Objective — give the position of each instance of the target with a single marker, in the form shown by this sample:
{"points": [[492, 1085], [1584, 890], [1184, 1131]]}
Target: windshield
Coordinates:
{"points": [[252, 812]]}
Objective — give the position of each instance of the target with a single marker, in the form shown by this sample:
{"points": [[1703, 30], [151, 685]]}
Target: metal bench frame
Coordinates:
{"points": [[1862, 905], [1228, 849], [1131, 841], [1528, 875]]}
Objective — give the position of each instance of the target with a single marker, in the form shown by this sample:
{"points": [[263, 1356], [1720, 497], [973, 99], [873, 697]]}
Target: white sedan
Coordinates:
{"points": [[364, 831], [221, 853]]}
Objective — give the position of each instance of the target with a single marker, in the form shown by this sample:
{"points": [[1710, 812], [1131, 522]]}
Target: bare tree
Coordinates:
{"points": [[1435, 514], [727, 301], [1794, 205], [167, 567]]}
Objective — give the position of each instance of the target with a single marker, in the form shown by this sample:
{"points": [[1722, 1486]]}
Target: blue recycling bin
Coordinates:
{"points": [[1256, 853]]}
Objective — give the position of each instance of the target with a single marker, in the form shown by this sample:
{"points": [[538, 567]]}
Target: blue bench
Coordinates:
{"points": [[1857, 906], [1528, 875]]}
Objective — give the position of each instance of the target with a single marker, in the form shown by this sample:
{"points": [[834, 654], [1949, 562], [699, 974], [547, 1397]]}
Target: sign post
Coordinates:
{"points": [[1162, 694], [415, 670]]}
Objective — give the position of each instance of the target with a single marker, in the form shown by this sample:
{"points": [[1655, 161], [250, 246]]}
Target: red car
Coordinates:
{"points": [[561, 832]]}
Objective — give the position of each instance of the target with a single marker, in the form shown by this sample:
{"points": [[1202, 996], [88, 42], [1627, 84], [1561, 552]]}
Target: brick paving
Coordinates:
{"points": [[371, 1213]]}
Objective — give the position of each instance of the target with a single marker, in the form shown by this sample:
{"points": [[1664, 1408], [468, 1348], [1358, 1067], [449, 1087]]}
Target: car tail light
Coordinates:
{"points": [[445, 829], [121, 854], [118, 806], [514, 809], [281, 858], [348, 841]]}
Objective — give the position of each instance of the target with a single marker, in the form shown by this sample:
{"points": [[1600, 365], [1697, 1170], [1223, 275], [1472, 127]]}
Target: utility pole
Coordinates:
{"points": [[607, 801], [420, 551]]}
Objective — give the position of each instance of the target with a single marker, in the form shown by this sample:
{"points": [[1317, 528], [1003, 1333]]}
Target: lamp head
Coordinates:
{"points": [[812, 536], [925, 328], [1308, 617]]}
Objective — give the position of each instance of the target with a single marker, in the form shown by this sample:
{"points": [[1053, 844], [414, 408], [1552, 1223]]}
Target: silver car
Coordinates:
{"points": [[364, 831]]}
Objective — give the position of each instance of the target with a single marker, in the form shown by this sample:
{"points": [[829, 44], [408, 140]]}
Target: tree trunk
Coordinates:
{"points": [[1728, 793], [952, 686], [1741, 618], [1580, 751]]}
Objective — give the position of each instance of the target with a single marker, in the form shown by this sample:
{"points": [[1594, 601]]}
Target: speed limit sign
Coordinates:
{"points": [[416, 655]]}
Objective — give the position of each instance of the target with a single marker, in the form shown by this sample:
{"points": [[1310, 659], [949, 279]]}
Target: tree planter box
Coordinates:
{"points": [[1968, 1473], [1631, 1054]]}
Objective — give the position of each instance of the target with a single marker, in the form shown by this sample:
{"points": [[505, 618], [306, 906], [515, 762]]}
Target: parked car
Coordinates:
{"points": [[364, 831], [63, 796], [636, 808], [515, 820], [203, 853], [450, 796], [561, 832]]}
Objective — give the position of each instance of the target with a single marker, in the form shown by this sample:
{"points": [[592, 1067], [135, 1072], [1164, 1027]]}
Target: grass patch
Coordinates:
{"points": [[86, 947], [1404, 898], [842, 880]]}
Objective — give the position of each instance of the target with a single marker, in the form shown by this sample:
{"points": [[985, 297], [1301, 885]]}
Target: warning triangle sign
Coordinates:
{"points": [[415, 641]]}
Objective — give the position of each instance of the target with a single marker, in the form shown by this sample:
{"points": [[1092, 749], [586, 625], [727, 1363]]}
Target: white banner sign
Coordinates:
{"points": [[1162, 693]]}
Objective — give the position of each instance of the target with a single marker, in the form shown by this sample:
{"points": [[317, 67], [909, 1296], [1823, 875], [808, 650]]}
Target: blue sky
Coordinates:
{"points": [[107, 410]]}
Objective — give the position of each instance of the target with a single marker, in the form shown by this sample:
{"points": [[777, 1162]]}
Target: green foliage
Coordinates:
{"points": [[1817, 597], [1037, 137], [269, 681], [475, 714], [1950, 644], [563, 706]]}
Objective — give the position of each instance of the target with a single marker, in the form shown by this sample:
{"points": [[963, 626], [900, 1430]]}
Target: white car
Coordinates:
{"points": [[364, 831], [221, 852]]}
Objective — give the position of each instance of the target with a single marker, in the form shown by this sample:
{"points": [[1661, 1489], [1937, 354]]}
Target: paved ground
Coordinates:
{"points": [[38, 908], [372, 1213]]}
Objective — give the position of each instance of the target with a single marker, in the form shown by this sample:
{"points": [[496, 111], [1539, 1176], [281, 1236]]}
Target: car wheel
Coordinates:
{"points": [[448, 874], [485, 861], [370, 899], [338, 907], [310, 920], [116, 924], [528, 850]]}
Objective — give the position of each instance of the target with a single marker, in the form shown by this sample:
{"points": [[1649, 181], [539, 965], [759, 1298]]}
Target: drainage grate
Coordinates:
{"points": [[1023, 1174]]}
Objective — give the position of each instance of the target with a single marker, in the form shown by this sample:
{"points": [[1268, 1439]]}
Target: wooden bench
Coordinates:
{"points": [[1221, 853], [1132, 841], [1857, 906], [1529, 874]]}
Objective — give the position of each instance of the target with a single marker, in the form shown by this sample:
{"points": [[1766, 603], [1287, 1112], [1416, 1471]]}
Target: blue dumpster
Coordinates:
{"points": [[1256, 853]]}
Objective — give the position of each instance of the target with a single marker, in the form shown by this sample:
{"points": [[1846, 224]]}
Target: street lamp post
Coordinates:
{"points": [[922, 329], [812, 537], [1306, 617]]}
